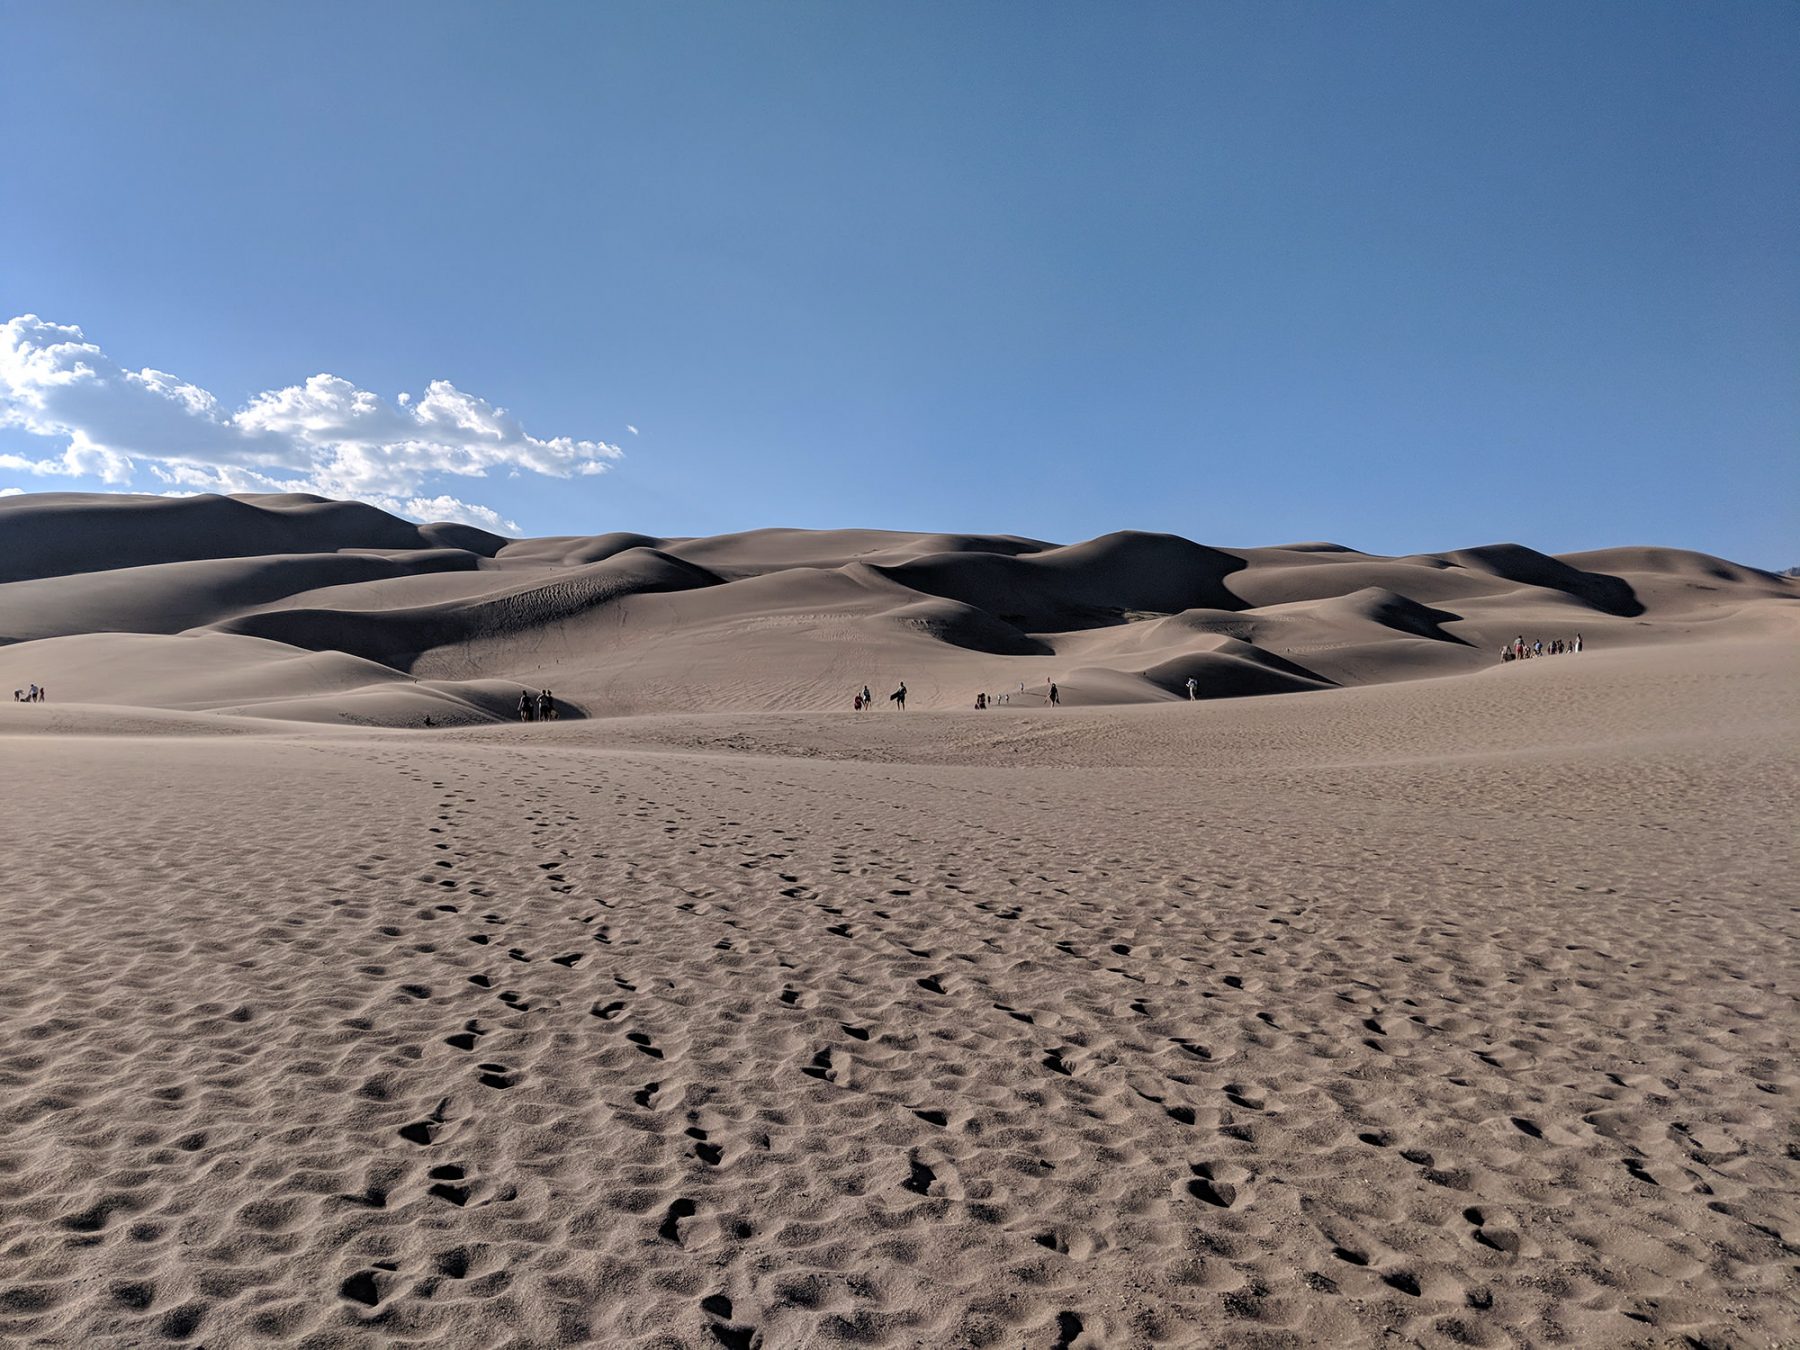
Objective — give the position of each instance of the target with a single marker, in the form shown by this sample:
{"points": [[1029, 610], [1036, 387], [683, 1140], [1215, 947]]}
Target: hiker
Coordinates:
{"points": [[1055, 698], [899, 696], [1578, 643], [857, 703], [524, 706], [868, 698], [543, 705], [1193, 688], [550, 698]]}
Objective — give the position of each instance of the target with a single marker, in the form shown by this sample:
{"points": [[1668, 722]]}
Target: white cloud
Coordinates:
{"points": [[12, 492], [449, 508], [631, 429], [324, 435]]}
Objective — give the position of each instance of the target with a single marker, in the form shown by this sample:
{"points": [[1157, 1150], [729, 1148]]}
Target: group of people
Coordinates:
{"points": [[34, 694], [985, 701], [865, 700], [540, 709], [1519, 650]]}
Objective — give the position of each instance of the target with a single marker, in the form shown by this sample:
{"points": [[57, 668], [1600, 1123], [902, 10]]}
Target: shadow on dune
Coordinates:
{"points": [[397, 638], [1390, 610], [56, 534], [1235, 670], [1528, 567], [1092, 585]]}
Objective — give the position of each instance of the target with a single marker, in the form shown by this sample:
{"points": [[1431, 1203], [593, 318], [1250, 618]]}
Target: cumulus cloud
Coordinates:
{"points": [[324, 435], [12, 492]]}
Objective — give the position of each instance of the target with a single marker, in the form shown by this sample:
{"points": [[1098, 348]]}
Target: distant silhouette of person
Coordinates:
{"points": [[1193, 688], [1578, 642], [857, 703], [428, 721], [898, 697], [524, 706], [1055, 698], [868, 698]]}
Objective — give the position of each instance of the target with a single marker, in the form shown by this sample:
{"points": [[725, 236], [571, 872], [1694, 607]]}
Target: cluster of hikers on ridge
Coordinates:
{"points": [[34, 694], [1518, 650], [539, 709]]}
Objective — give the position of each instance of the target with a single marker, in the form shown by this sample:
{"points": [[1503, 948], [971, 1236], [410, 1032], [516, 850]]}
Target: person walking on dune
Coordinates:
{"points": [[898, 697], [524, 706], [1055, 698], [868, 698], [1193, 688]]}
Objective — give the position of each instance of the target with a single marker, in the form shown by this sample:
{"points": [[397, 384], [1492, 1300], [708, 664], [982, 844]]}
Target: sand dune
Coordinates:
{"points": [[1351, 1005], [624, 623], [1443, 1012]]}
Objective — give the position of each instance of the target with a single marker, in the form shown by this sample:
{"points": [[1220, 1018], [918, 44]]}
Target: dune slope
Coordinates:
{"points": [[1440, 1013], [623, 623]]}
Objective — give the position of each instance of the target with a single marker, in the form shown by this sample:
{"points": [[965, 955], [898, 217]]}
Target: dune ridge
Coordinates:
{"points": [[625, 623]]}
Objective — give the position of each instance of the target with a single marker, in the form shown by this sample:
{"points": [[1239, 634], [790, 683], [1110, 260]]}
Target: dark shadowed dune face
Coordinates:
{"points": [[143, 600], [54, 534]]}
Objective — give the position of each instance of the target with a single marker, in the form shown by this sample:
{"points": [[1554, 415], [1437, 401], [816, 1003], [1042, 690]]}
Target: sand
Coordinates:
{"points": [[1431, 1011], [297, 608]]}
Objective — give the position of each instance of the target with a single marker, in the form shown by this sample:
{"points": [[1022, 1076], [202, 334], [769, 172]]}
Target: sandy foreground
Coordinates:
{"points": [[1447, 1012]]}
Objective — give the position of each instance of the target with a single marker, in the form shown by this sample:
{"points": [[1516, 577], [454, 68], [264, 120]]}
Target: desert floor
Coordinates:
{"points": [[1450, 1012]]}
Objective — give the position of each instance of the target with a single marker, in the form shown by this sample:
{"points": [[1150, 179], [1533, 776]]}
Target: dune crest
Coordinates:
{"points": [[621, 623]]}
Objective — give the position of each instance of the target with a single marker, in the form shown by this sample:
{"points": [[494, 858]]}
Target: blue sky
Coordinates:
{"points": [[1407, 276]]}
